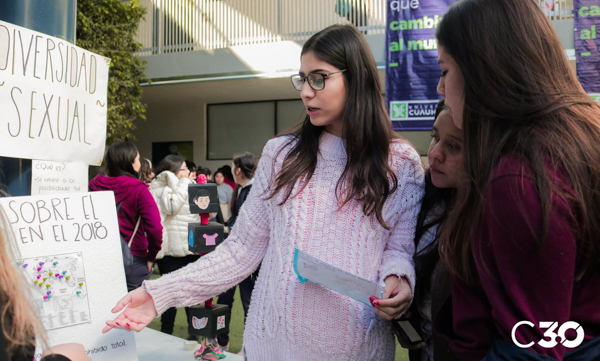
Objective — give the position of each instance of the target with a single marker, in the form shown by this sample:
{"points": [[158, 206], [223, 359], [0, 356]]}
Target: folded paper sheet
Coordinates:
{"points": [[309, 268]]}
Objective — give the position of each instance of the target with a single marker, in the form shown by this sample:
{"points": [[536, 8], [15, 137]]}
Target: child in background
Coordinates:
{"points": [[340, 186]]}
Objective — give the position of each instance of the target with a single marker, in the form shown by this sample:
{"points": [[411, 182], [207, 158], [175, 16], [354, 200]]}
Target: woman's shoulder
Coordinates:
{"points": [[403, 155], [276, 145]]}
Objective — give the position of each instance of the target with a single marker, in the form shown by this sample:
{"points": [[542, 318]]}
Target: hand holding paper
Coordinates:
{"points": [[401, 295]]}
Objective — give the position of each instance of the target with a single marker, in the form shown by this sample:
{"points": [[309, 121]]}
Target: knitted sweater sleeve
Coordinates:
{"points": [[406, 201], [232, 261]]}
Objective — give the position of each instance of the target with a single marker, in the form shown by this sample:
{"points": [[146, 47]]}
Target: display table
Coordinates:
{"points": [[153, 345]]}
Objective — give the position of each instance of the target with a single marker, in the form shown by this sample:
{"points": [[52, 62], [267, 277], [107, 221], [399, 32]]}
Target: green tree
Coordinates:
{"points": [[108, 28]]}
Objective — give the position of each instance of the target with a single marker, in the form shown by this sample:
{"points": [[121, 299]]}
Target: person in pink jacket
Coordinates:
{"points": [[120, 167]]}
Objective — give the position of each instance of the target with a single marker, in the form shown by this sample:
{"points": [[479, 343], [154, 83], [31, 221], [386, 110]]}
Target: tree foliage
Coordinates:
{"points": [[108, 28]]}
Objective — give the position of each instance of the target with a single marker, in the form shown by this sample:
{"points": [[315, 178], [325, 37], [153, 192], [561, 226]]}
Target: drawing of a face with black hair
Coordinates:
{"points": [[202, 199]]}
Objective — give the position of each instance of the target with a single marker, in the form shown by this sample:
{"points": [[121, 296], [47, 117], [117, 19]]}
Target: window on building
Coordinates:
{"points": [[240, 127]]}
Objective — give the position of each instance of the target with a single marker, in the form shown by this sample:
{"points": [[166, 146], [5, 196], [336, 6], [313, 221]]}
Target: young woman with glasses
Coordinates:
{"points": [[522, 239], [340, 186]]}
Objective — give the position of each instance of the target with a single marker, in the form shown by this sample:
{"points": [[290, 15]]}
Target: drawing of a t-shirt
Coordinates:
{"points": [[210, 240]]}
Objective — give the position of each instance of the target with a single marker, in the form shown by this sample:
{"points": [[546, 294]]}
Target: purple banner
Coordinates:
{"points": [[587, 43], [412, 71]]}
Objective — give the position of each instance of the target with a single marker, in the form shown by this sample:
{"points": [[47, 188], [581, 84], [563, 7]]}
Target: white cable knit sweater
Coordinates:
{"points": [[289, 320]]}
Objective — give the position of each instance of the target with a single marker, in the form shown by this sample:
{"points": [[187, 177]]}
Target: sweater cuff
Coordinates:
{"points": [[400, 269], [161, 296]]}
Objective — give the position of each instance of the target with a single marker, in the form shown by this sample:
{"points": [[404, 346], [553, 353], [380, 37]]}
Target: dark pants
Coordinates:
{"points": [[226, 298], [167, 265], [139, 273]]}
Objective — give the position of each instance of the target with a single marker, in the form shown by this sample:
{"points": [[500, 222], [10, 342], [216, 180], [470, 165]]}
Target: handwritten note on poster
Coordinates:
{"points": [[52, 98], [74, 236], [49, 177]]}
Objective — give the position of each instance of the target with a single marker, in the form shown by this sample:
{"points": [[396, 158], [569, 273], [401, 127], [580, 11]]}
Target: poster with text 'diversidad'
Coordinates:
{"points": [[69, 250], [52, 98]]}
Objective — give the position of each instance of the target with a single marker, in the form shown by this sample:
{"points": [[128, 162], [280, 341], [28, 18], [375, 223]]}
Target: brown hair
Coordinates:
{"points": [[171, 163], [118, 160], [145, 170], [19, 323], [246, 162], [521, 98], [367, 128]]}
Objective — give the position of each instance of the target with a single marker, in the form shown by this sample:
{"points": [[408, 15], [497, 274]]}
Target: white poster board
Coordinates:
{"points": [[70, 251], [52, 98], [48, 177]]}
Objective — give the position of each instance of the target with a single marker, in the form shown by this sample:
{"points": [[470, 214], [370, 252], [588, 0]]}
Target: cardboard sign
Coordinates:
{"points": [[49, 177], [52, 98], [69, 249]]}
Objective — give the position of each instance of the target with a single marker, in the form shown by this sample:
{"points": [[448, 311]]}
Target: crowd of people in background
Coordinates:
{"points": [[158, 197]]}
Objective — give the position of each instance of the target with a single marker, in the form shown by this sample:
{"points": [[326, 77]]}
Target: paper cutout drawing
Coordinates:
{"points": [[202, 199], [210, 240]]}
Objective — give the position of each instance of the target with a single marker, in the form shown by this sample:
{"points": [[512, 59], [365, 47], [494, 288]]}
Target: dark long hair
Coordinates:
{"points": [[145, 170], [118, 160], [226, 171], [367, 128], [246, 162], [521, 98], [171, 163], [427, 258]]}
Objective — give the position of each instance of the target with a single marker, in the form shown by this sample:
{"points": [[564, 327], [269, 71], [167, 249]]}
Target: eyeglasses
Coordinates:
{"points": [[315, 80]]}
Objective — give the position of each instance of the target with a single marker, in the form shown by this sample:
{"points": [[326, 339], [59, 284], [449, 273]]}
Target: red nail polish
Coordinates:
{"points": [[117, 324], [128, 325], [376, 303]]}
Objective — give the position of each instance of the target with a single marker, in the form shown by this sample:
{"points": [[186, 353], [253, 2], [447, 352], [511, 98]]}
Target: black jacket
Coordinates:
{"points": [[239, 201]]}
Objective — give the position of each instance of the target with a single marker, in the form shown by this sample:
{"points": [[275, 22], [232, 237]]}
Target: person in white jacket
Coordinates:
{"points": [[170, 190]]}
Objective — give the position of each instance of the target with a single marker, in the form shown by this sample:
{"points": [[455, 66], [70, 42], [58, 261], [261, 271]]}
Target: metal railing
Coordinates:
{"points": [[188, 25], [557, 9]]}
